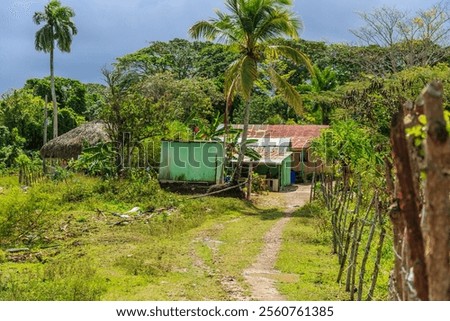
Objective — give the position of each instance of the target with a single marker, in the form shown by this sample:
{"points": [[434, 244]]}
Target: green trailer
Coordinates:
{"points": [[191, 162]]}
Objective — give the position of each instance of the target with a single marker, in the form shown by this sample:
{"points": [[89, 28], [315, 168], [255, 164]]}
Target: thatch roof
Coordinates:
{"points": [[70, 144]]}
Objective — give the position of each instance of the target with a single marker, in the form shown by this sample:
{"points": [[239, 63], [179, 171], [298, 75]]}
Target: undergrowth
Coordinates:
{"points": [[74, 248], [75, 280]]}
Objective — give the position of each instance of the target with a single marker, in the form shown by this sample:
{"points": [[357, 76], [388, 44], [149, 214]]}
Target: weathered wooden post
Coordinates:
{"points": [[410, 206], [437, 186]]}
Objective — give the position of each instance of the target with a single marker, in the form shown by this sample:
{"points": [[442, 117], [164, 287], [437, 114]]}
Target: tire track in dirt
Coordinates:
{"points": [[261, 276], [228, 283]]}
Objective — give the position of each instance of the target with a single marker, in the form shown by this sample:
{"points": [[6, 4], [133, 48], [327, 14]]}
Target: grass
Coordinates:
{"points": [[307, 252], [182, 252]]}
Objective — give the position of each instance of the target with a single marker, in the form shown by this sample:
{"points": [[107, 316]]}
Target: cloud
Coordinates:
{"points": [[110, 29]]}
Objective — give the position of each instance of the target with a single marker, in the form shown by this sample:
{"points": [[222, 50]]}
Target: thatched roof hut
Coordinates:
{"points": [[70, 144]]}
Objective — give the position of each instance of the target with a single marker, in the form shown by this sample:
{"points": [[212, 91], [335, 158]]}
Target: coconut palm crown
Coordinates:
{"points": [[57, 31], [251, 27]]}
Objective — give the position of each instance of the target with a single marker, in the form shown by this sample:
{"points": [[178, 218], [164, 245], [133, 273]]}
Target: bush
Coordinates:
{"points": [[27, 215], [144, 191], [98, 160], [61, 174], [77, 191], [258, 184]]}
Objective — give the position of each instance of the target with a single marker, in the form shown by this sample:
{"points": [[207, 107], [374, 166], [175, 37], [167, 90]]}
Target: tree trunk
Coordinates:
{"points": [[325, 115], [44, 168], [249, 184], [437, 210], [350, 282], [409, 201], [243, 147], [226, 125], [52, 86], [313, 187]]}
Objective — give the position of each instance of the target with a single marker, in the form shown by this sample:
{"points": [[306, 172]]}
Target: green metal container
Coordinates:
{"points": [[195, 161]]}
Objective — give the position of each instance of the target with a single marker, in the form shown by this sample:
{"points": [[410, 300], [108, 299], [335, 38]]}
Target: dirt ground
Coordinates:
{"points": [[261, 276], [293, 197]]}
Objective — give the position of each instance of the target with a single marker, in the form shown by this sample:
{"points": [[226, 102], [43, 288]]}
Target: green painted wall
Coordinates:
{"points": [[286, 172], [191, 162]]}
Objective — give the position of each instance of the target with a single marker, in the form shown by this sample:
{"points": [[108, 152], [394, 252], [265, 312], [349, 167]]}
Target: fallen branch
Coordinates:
{"points": [[17, 250], [219, 191]]}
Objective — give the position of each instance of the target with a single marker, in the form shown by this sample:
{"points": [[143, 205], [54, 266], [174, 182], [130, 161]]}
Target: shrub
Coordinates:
{"points": [[27, 215], [258, 184], [77, 191], [98, 160]]}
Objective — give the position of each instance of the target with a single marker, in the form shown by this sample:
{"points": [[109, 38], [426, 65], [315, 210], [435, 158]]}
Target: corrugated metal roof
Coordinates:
{"points": [[270, 155], [300, 135], [270, 142]]}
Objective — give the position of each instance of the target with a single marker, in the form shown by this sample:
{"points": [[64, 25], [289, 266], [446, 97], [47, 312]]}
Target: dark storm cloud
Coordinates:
{"points": [[109, 29]]}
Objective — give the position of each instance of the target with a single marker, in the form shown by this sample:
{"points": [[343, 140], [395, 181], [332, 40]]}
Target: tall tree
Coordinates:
{"points": [[58, 30], [250, 28], [419, 40], [21, 109], [319, 91]]}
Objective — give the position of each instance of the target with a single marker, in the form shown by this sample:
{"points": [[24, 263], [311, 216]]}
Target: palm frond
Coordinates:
{"points": [[233, 6], [59, 27], [248, 75], [287, 92], [296, 56], [43, 40], [277, 23], [39, 17], [203, 29], [232, 75]]}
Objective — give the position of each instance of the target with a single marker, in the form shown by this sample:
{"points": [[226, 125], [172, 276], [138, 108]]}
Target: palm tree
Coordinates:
{"points": [[250, 28], [321, 91], [59, 29]]}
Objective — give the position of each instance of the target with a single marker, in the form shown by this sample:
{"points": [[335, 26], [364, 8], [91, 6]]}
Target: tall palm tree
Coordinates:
{"points": [[58, 30], [321, 91], [250, 28]]}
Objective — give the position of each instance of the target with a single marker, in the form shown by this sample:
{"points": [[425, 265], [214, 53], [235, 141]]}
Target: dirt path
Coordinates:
{"points": [[261, 276]]}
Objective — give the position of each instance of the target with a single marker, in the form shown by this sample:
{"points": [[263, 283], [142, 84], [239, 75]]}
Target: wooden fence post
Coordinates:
{"points": [[437, 210], [409, 202]]}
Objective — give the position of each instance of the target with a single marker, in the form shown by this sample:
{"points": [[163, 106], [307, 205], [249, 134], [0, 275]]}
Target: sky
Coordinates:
{"points": [[108, 29]]}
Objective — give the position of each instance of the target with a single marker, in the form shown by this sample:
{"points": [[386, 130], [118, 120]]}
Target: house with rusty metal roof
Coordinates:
{"points": [[275, 143], [283, 150]]}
